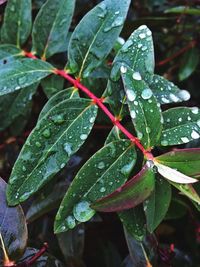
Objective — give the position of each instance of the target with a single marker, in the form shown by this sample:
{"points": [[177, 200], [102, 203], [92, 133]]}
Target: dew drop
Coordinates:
{"points": [[137, 76], [180, 119], [133, 114], [24, 168], [82, 211], [92, 119], [131, 95], [140, 135], [70, 221], [195, 135], [46, 133], [198, 123], [101, 165], [164, 143], [83, 136], [184, 95], [185, 139], [195, 110], [68, 149], [102, 189], [147, 93], [142, 35], [123, 69], [58, 119]]}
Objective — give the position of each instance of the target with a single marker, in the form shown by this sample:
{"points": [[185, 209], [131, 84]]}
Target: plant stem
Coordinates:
{"points": [[99, 102]]}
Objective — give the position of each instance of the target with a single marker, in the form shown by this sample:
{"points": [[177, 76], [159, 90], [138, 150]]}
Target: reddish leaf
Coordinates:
{"points": [[132, 193]]}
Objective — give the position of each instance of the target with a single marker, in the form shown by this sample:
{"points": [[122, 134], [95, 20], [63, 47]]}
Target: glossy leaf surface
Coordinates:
{"points": [[181, 125], [144, 110], [157, 204], [12, 226], [167, 92], [51, 27], [9, 53], [134, 192], [95, 36], [22, 73], [17, 22], [107, 169], [56, 137], [57, 98], [134, 221], [137, 53], [184, 160]]}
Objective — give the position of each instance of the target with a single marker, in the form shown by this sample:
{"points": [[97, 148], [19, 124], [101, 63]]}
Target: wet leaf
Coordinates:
{"points": [[189, 63], [134, 221], [52, 85], [137, 53], [156, 206], [17, 22], [166, 91], [68, 93], [184, 160], [145, 112], [131, 194], [51, 27], [107, 169], [56, 137], [22, 73], [12, 227], [88, 48], [181, 125], [9, 53], [15, 105]]}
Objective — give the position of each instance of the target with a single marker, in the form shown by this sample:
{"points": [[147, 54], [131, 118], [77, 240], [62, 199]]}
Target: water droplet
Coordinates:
{"points": [[164, 143], [123, 69], [148, 130], [83, 136], [165, 100], [25, 196], [116, 23], [137, 76], [130, 95], [185, 139], [150, 164], [184, 95], [144, 48], [126, 168], [195, 110], [189, 118], [142, 27], [101, 165], [198, 123], [70, 221], [139, 45], [68, 149], [24, 168], [142, 35], [102, 189], [46, 133], [174, 98], [135, 103], [82, 211], [195, 135], [62, 165], [133, 114], [139, 135], [92, 119], [58, 119], [147, 93], [149, 33], [180, 119]]}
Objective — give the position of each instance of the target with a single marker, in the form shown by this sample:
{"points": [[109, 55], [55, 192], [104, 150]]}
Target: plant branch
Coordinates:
{"points": [[178, 53]]}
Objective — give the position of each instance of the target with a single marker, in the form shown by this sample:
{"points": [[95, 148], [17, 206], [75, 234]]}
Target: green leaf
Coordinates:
{"points": [[183, 9], [137, 53], [167, 92], [9, 53], [181, 125], [17, 22], [95, 35], [188, 190], [177, 209], [46, 201], [156, 206], [51, 27], [12, 227], [144, 110], [131, 194], [22, 73], [68, 93], [56, 137], [15, 105], [52, 85], [184, 160], [100, 175], [189, 63], [134, 221]]}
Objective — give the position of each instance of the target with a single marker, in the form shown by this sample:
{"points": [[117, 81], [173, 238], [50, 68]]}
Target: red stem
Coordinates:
{"points": [[99, 102], [184, 49]]}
